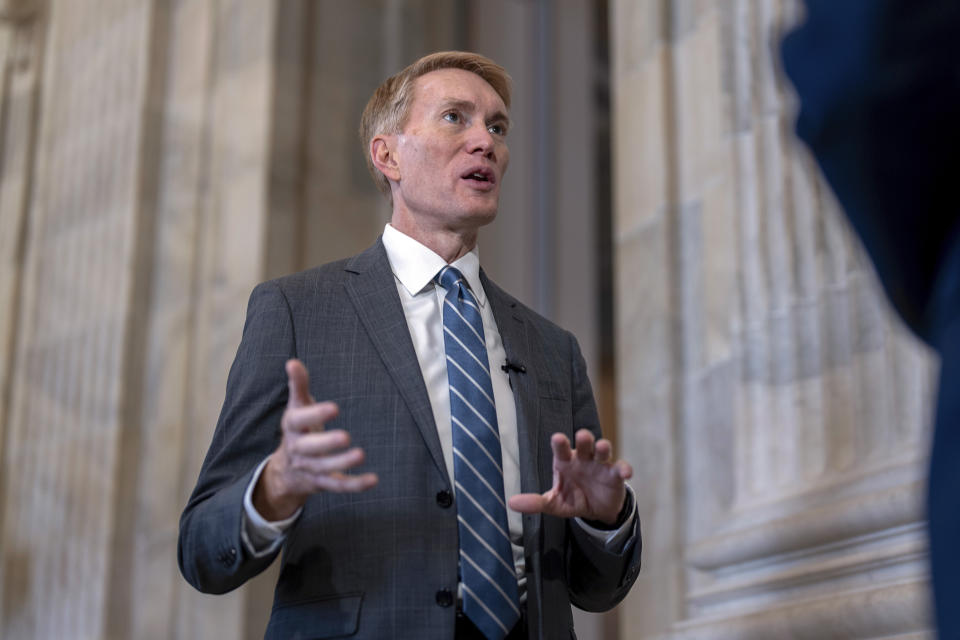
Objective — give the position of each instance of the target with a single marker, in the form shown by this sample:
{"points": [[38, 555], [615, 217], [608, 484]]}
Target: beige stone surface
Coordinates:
{"points": [[159, 159], [69, 369], [640, 144], [21, 49], [775, 410]]}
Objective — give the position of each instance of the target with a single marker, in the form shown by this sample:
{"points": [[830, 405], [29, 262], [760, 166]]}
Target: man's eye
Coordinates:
{"points": [[452, 116]]}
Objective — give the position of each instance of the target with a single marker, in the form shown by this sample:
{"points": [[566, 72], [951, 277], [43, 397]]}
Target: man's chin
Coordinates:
{"points": [[483, 217], [479, 214]]}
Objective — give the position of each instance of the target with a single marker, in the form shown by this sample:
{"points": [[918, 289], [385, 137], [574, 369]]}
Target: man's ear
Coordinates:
{"points": [[383, 152]]}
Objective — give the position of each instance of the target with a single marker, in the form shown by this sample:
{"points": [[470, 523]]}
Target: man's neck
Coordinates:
{"points": [[449, 244]]}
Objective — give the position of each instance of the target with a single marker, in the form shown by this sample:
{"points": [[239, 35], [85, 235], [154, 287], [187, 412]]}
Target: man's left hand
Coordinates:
{"points": [[586, 482]]}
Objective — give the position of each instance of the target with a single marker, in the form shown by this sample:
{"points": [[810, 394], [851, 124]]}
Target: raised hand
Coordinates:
{"points": [[586, 482], [309, 458]]}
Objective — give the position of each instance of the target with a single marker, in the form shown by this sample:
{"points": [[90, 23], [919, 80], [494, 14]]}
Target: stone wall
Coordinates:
{"points": [[135, 232], [775, 410], [157, 160]]}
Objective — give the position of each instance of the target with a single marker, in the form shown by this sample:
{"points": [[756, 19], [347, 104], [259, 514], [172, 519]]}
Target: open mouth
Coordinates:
{"points": [[479, 175]]}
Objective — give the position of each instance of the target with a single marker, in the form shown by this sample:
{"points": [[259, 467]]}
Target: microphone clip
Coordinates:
{"points": [[509, 366]]}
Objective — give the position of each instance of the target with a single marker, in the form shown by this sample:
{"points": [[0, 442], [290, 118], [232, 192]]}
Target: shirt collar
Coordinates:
{"points": [[415, 265]]}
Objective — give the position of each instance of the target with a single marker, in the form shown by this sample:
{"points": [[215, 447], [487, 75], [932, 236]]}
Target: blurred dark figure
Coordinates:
{"points": [[879, 88]]}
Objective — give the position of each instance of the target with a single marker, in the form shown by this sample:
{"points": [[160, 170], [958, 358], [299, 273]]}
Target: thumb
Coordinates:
{"points": [[528, 503], [298, 384]]}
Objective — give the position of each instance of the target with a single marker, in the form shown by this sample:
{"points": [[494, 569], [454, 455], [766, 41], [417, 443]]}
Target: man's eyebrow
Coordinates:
{"points": [[459, 103], [500, 117]]}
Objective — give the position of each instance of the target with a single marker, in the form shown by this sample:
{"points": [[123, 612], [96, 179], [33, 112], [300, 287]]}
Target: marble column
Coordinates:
{"points": [[776, 409], [135, 169], [22, 32], [66, 424], [159, 159]]}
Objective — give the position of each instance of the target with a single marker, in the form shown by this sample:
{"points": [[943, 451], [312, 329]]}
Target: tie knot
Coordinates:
{"points": [[449, 277]]}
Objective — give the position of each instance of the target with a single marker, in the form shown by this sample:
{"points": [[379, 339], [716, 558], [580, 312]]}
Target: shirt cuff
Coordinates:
{"points": [[614, 540], [260, 536]]}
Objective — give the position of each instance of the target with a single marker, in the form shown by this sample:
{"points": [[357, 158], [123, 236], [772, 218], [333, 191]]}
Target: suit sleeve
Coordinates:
{"points": [[210, 552], [597, 578]]}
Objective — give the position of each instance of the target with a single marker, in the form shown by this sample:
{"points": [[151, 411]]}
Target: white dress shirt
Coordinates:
{"points": [[414, 267]]}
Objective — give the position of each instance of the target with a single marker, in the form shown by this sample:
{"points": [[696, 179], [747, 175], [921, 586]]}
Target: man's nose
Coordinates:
{"points": [[479, 139]]}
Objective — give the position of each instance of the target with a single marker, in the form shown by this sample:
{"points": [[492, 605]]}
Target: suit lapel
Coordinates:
{"points": [[373, 292], [516, 343], [513, 332]]}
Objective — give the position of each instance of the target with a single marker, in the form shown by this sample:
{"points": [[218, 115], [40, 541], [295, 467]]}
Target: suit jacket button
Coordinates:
{"points": [[444, 498], [444, 598]]}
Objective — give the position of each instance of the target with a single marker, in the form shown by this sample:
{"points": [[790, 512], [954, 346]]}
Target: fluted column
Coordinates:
{"points": [[787, 443], [66, 423], [159, 159], [143, 233], [22, 31]]}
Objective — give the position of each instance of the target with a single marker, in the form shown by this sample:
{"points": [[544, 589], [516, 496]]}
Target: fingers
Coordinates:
{"points": [[329, 463], [311, 459], [585, 445], [298, 383], [589, 450], [320, 444], [604, 451], [561, 448], [529, 502], [308, 418], [327, 473], [314, 462], [344, 483], [323, 453]]}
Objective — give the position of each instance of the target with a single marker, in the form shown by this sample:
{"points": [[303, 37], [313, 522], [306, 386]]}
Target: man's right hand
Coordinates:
{"points": [[309, 459]]}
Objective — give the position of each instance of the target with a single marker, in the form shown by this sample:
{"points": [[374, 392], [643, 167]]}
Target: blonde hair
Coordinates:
{"points": [[389, 106]]}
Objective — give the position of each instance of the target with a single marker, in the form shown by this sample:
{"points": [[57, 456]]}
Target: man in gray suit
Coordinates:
{"points": [[369, 492]]}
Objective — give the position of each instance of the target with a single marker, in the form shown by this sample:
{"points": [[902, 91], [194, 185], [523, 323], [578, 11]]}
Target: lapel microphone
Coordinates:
{"points": [[509, 366]]}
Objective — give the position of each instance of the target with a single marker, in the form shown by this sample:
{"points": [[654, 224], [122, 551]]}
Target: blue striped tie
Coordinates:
{"points": [[487, 574]]}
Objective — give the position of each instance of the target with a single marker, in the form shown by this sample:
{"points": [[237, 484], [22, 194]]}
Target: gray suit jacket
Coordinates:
{"points": [[371, 565]]}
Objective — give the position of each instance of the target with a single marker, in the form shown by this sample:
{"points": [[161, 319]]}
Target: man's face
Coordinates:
{"points": [[452, 152]]}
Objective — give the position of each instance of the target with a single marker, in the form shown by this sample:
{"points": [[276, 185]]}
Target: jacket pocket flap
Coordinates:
{"points": [[329, 617]]}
